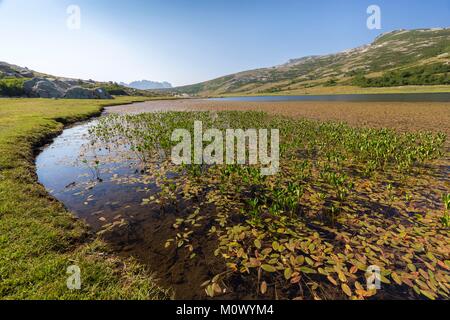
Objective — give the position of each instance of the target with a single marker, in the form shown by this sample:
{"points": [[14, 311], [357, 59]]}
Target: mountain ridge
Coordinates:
{"points": [[147, 85], [420, 56]]}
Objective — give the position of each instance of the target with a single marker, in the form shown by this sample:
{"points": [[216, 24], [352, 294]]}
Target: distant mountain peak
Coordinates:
{"points": [[147, 85]]}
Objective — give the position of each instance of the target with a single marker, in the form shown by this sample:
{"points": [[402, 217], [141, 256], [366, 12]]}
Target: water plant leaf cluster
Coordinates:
{"points": [[345, 199]]}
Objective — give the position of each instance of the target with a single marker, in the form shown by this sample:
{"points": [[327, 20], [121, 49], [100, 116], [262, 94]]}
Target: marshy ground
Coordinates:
{"points": [[403, 116], [347, 196]]}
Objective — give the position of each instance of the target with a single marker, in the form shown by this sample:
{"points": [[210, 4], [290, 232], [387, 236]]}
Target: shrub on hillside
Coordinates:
{"points": [[434, 74], [116, 90], [12, 87]]}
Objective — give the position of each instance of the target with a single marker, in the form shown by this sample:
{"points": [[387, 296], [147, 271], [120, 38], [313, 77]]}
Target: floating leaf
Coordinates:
{"points": [[443, 265], [331, 279], [424, 274], [408, 282], [358, 286], [300, 260], [307, 270], [275, 246], [396, 278], [431, 256], [412, 267], [210, 291], [263, 287], [287, 273], [384, 279], [204, 284], [268, 268], [346, 289], [353, 269], [323, 271], [428, 294], [342, 276]]}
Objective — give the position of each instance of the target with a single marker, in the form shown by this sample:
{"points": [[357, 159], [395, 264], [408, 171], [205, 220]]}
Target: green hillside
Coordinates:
{"points": [[398, 58]]}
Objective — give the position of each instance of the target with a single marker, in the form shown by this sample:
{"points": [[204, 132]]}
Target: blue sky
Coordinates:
{"points": [[188, 41]]}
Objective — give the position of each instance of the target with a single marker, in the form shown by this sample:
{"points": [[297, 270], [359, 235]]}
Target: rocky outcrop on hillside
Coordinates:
{"points": [[57, 88], [84, 93], [43, 88], [38, 85], [10, 70]]}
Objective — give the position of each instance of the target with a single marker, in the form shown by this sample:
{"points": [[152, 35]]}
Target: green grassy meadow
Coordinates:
{"points": [[39, 239]]}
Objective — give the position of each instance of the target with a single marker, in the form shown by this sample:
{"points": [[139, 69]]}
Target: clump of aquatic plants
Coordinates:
{"points": [[343, 200], [446, 218]]}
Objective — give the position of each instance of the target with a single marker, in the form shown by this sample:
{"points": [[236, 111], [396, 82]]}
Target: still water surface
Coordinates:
{"points": [[401, 97]]}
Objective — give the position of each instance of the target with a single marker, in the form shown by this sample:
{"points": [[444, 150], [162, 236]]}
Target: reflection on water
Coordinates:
{"points": [[91, 180], [107, 185]]}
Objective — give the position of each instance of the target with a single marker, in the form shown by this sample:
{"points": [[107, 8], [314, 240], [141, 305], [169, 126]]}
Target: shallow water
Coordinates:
{"points": [[68, 169], [110, 195], [401, 97]]}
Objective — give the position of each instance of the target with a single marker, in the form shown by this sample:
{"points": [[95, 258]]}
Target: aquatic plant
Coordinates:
{"points": [[339, 204], [446, 218]]}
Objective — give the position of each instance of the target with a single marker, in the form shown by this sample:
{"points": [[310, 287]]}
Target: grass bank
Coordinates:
{"points": [[39, 239]]}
